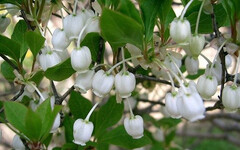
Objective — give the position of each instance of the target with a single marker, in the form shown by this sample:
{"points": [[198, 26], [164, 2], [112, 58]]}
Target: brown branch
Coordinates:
{"points": [[217, 105], [54, 90], [60, 99], [19, 93], [149, 78], [152, 102], [23, 15]]}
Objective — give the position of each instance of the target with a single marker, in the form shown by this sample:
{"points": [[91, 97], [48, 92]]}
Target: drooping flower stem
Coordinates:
{"points": [[198, 18], [185, 9], [39, 93], [123, 58], [218, 51], [123, 61], [236, 71], [75, 7], [172, 83], [209, 62], [179, 71], [91, 111], [130, 109]]}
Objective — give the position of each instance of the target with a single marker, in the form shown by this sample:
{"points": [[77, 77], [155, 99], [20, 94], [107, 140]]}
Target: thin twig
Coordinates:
{"points": [[143, 77], [152, 102], [54, 90], [9, 62], [23, 15], [60, 99]]}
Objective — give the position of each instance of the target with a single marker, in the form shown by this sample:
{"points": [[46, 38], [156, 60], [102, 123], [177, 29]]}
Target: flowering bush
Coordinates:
{"points": [[149, 43]]}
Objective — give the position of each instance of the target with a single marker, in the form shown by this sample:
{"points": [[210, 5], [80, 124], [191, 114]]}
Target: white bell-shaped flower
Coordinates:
{"points": [[82, 131], [230, 98], [216, 71], [81, 59], [134, 126], [4, 22], [180, 30], [84, 81], [64, 55], [17, 143], [56, 123], [60, 40], [102, 83], [207, 86], [49, 59], [196, 44], [93, 25], [125, 83], [171, 104], [169, 62], [191, 106], [73, 25], [192, 65], [228, 60], [87, 14]]}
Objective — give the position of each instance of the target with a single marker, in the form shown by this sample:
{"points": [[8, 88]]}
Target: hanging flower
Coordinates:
{"points": [[134, 126], [84, 81]]}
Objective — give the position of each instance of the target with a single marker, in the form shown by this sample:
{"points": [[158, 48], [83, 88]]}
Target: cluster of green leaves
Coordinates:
{"points": [[33, 126], [104, 118], [126, 24]]}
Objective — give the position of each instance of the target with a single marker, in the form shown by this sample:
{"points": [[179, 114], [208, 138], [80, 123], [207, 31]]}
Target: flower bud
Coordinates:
{"points": [[125, 83], [82, 131], [56, 123], [207, 86], [171, 105], [59, 40], [17, 143], [180, 30], [102, 83], [134, 126], [4, 22], [230, 98], [81, 59], [192, 65], [73, 25], [196, 44], [84, 81], [49, 59], [191, 106]]}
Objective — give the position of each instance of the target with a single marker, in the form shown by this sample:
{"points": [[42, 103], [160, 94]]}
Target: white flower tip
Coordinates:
{"points": [[137, 137], [79, 143], [228, 110], [199, 117]]}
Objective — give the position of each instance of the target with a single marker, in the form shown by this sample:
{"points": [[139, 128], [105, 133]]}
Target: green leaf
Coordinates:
{"points": [[128, 8], [193, 77], [205, 23], [119, 29], [169, 137], [37, 77], [149, 10], [92, 41], [119, 137], [108, 115], [35, 42], [168, 122], [68, 125], [33, 125], [79, 106], [16, 115], [44, 111], [7, 71], [19, 36], [10, 48], [61, 71]]}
